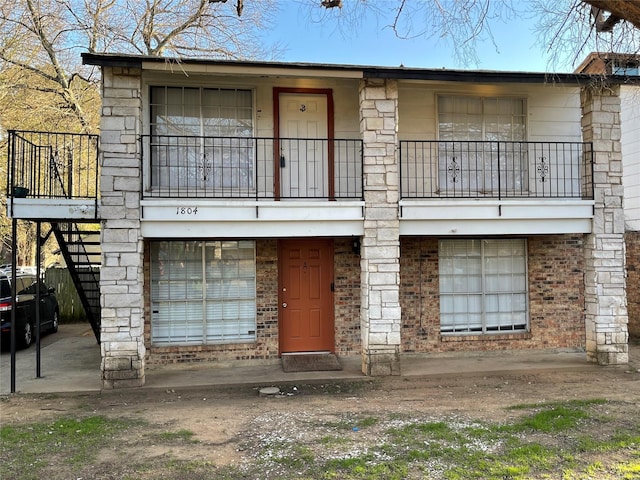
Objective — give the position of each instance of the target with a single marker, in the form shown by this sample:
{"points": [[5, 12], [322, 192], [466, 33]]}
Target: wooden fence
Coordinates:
{"points": [[71, 309]]}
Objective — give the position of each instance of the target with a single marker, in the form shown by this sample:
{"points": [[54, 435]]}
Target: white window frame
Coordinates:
{"points": [[467, 172], [215, 160], [204, 297], [476, 297]]}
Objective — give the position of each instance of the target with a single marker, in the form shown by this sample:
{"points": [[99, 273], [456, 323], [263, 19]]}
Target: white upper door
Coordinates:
{"points": [[304, 158]]}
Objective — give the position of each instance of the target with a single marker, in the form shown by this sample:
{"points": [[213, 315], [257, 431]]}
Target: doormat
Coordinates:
{"points": [[310, 362]]}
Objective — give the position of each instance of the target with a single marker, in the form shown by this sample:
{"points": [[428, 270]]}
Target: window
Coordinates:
{"points": [[201, 137], [475, 130], [203, 292], [629, 68], [483, 285]]}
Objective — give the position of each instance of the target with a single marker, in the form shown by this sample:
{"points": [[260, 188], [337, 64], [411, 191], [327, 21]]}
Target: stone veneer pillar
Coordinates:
{"points": [[121, 277], [605, 285], [380, 246]]}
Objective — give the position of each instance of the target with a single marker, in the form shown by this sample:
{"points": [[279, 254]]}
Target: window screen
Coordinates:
{"points": [[201, 138], [483, 285], [203, 292], [479, 133]]}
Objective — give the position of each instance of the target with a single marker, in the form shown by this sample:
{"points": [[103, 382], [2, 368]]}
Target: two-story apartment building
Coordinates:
{"points": [[252, 210]]}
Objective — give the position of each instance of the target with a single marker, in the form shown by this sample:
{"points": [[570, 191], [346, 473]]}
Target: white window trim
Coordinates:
{"points": [[523, 98], [155, 80], [203, 300], [484, 331]]}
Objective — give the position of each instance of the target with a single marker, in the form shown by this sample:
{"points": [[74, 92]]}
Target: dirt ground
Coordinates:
{"points": [[222, 419]]}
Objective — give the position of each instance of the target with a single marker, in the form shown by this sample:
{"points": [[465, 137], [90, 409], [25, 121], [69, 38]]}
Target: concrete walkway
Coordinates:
{"points": [[70, 362]]}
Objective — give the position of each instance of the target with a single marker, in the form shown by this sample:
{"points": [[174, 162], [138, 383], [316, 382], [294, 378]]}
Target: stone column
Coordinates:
{"points": [[380, 246], [605, 285], [121, 277]]}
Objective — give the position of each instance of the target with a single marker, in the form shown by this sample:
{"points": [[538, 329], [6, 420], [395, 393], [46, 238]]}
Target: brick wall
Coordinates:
{"points": [[555, 268], [632, 240], [347, 298], [347, 312]]}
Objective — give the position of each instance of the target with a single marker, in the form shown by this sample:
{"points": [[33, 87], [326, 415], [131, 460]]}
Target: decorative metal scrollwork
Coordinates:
{"points": [[543, 169], [453, 170], [204, 167]]}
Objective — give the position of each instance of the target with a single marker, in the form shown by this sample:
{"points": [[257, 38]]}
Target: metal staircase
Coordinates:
{"points": [[47, 169], [82, 263]]}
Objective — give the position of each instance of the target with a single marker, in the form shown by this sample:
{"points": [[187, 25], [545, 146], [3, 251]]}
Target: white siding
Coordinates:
{"points": [[345, 97], [554, 114], [553, 111], [630, 120]]}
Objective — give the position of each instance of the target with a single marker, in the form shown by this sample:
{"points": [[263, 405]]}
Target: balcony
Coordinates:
{"points": [[52, 175], [251, 186], [252, 168], [469, 188], [496, 170]]}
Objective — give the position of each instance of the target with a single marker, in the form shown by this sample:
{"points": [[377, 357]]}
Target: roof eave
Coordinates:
{"points": [[397, 73]]}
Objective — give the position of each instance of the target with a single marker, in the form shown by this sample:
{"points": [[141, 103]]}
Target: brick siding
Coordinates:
{"points": [[556, 299], [347, 298], [632, 240], [347, 312]]}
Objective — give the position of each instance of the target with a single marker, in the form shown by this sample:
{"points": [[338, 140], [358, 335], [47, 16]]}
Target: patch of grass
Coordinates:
{"points": [[364, 467], [620, 440], [554, 420], [367, 422], [296, 457], [599, 471], [487, 451], [629, 470], [28, 448], [590, 447], [553, 417]]}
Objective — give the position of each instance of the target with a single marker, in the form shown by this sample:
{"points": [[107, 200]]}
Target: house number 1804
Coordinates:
{"points": [[186, 210]]}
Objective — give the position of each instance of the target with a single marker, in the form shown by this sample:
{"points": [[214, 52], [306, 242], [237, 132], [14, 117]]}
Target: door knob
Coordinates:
{"points": [[284, 304]]}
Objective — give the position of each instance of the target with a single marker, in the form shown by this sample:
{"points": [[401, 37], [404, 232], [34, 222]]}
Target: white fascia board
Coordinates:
{"points": [[250, 219], [213, 69], [248, 211], [240, 229], [51, 208], [495, 227], [493, 217], [495, 209]]}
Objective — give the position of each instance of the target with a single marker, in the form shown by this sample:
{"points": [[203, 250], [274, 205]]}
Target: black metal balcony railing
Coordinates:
{"points": [[252, 168], [468, 169], [52, 165], [65, 165]]}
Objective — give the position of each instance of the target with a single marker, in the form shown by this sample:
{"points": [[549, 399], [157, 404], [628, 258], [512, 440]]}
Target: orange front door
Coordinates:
{"points": [[306, 297]]}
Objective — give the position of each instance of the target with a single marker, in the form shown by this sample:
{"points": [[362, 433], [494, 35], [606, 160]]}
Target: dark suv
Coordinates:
{"points": [[26, 288]]}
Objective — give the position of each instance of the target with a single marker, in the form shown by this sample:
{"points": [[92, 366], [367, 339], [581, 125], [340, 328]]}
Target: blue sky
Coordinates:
{"points": [[372, 44]]}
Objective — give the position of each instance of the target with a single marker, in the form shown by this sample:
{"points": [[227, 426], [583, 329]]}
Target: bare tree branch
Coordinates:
{"points": [[60, 76], [628, 10], [192, 20]]}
